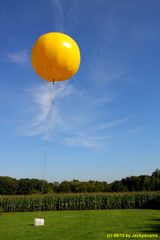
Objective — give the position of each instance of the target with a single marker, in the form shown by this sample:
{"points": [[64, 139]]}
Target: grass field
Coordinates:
{"points": [[81, 225]]}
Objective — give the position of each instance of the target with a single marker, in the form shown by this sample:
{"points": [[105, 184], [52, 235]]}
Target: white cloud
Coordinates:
{"points": [[43, 111], [115, 122], [20, 57], [71, 116], [134, 130], [72, 119], [81, 139]]}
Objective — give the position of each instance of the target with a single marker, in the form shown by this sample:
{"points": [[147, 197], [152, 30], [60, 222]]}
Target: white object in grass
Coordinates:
{"points": [[38, 221]]}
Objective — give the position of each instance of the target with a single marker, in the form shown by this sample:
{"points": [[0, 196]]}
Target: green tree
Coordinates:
{"points": [[156, 173], [117, 186], [8, 185], [64, 187]]}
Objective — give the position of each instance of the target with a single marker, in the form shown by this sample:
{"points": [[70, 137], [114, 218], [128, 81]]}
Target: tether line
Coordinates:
{"points": [[51, 101], [47, 142]]}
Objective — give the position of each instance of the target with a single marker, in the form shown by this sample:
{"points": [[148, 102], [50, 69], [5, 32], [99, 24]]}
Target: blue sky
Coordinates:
{"points": [[105, 121]]}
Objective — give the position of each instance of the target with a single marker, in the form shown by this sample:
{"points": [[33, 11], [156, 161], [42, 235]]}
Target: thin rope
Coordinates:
{"points": [[51, 99], [47, 141]]}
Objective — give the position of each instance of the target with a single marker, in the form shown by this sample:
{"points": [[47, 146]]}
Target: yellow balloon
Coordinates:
{"points": [[55, 57]]}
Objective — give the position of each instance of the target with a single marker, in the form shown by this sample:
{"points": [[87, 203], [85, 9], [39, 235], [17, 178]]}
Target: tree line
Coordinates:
{"points": [[12, 186]]}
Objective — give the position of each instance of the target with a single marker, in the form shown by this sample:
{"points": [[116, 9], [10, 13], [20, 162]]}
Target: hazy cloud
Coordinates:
{"points": [[71, 116], [134, 130], [115, 123], [20, 57]]}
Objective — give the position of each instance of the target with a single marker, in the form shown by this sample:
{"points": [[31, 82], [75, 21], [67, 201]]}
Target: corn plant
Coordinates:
{"points": [[85, 201]]}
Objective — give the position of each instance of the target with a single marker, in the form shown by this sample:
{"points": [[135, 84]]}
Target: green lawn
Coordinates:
{"points": [[80, 225]]}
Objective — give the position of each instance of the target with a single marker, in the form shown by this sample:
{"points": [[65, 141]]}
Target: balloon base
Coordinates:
{"points": [[38, 221]]}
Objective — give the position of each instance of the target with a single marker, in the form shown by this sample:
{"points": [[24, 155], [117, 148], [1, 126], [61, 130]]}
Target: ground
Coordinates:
{"points": [[79, 225]]}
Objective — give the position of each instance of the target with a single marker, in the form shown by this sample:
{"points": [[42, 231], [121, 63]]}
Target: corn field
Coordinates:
{"points": [[80, 201]]}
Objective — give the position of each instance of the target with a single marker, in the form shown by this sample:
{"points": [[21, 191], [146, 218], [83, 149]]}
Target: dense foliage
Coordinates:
{"points": [[81, 201], [12, 186]]}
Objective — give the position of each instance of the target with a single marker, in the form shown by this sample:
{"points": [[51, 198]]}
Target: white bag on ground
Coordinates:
{"points": [[38, 221]]}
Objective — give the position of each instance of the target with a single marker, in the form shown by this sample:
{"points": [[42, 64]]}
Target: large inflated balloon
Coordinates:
{"points": [[55, 56]]}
